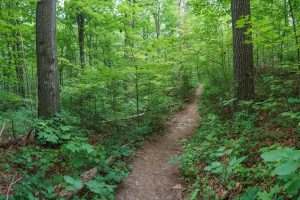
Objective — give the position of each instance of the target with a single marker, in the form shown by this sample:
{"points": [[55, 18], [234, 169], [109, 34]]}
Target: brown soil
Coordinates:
{"points": [[152, 176]]}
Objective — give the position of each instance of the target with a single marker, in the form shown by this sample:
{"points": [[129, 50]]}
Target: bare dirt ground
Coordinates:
{"points": [[153, 177]]}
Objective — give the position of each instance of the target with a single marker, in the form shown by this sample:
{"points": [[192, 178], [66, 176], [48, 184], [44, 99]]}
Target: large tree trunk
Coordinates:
{"points": [[81, 31], [242, 53], [47, 69], [297, 44]]}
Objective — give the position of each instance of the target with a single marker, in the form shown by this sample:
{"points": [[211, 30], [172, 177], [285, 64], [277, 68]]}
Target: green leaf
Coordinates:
{"points": [[213, 166], [71, 146], [275, 155], [66, 136], [287, 177], [51, 138], [269, 195], [57, 179], [74, 184], [78, 184], [216, 164], [295, 155], [221, 149], [87, 147], [208, 168], [293, 186], [286, 168], [95, 186], [235, 161], [65, 128], [69, 179]]}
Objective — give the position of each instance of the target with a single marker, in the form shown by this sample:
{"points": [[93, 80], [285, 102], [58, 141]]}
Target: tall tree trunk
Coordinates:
{"points": [[281, 55], [81, 32], [294, 29], [242, 53], [47, 69], [19, 70], [6, 71], [297, 44], [90, 42], [156, 16]]}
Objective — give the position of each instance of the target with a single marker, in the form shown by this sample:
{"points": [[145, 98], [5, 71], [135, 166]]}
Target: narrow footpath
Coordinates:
{"points": [[153, 177]]}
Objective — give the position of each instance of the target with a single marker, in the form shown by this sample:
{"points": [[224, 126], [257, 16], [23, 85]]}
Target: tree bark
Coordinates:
{"points": [[297, 44], [47, 69], [81, 32], [19, 70], [242, 52], [281, 55], [156, 16]]}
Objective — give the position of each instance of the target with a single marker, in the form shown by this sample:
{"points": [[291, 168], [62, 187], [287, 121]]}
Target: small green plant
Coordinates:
{"points": [[52, 131], [98, 186], [72, 184], [286, 162], [251, 193], [79, 153], [35, 187]]}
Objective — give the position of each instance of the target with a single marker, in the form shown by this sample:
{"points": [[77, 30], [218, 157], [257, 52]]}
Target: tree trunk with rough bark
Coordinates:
{"points": [[81, 32], [19, 70], [242, 52], [297, 44], [47, 69]]}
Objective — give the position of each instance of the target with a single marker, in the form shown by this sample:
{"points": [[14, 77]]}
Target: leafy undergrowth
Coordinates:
{"points": [[251, 155], [56, 161], [63, 151]]}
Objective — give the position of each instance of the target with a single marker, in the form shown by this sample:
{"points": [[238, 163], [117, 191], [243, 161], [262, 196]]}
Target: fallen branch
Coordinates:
{"points": [[30, 136], [2, 129], [13, 182], [135, 116], [14, 132]]}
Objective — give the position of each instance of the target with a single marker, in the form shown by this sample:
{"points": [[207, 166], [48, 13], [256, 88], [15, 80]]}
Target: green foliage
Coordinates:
{"points": [[78, 152], [38, 182], [142, 58], [251, 193], [224, 154], [18, 121], [287, 164], [99, 187], [9, 101], [52, 131], [73, 184]]}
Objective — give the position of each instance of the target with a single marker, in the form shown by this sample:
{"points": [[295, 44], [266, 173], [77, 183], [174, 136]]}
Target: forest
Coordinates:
{"points": [[149, 99]]}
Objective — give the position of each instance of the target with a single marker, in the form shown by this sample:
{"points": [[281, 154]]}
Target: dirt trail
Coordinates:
{"points": [[153, 177]]}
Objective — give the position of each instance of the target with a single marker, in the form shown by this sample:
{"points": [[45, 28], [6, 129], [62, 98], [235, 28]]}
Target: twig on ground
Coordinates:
{"points": [[2, 129], [13, 182], [14, 132], [30, 136]]}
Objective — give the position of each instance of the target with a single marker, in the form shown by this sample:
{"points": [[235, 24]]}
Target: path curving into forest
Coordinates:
{"points": [[152, 176]]}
